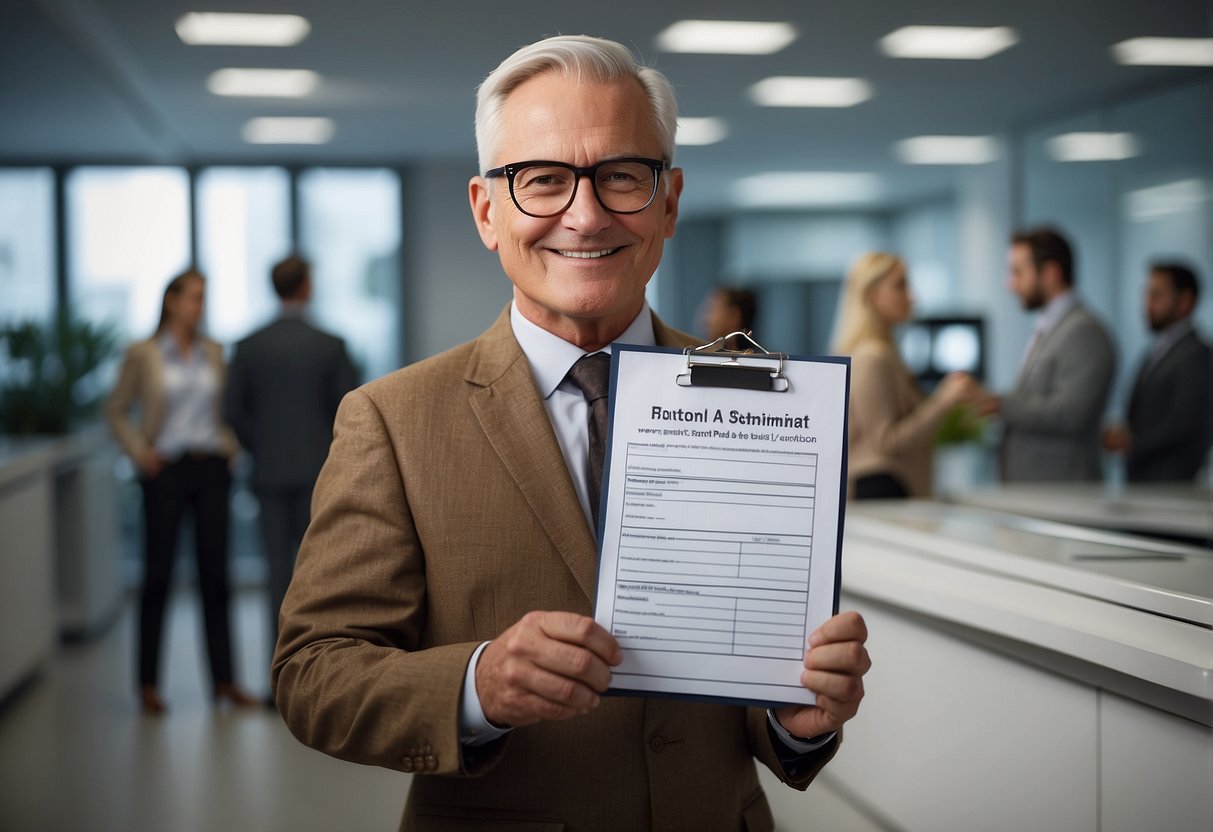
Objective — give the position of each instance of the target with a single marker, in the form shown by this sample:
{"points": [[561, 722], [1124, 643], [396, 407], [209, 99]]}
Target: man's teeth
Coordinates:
{"points": [[589, 255]]}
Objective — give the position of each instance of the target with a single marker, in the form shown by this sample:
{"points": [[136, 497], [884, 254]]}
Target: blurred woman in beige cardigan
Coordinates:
{"points": [[892, 423]]}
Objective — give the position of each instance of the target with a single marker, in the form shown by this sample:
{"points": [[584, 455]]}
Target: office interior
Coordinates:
{"points": [[1042, 654]]}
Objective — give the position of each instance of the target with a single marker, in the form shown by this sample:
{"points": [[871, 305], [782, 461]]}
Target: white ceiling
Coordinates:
{"points": [[103, 80]]}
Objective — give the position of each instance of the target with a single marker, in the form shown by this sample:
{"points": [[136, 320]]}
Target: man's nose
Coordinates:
{"points": [[585, 213]]}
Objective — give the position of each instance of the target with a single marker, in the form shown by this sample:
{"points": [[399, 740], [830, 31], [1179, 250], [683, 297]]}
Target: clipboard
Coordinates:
{"points": [[722, 509], [711, 365]]}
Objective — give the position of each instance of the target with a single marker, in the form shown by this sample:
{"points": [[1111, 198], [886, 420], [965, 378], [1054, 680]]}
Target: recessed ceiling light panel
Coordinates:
{"points": [[726, 37], [806, 189], [288, 130], [1165, 51], [804, 91], [947, 150], [1093, 147], [700, 131], [269, 83], [232, 29], [961, 43]]}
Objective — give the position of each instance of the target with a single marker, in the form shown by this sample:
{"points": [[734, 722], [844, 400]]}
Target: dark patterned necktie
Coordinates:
{"points": [[592, 375]]}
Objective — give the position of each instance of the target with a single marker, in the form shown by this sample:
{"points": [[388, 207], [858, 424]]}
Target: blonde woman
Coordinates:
{"points": [[892, 423], [181, 449]]}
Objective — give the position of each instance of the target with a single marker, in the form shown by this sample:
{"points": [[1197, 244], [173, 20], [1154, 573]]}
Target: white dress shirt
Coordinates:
{"points": [[191, 387]]}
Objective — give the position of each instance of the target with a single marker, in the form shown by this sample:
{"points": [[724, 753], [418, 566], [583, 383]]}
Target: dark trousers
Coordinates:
{"points": [[285, 513], [199, 483]]}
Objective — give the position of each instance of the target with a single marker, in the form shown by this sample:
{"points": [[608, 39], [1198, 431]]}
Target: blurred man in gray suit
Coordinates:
{"points": [[1051, 419], [1170, 410], [283, 387]]}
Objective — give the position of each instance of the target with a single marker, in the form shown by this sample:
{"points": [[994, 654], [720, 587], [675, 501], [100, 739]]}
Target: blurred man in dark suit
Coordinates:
{"points": [[1170, 412], [283, 388]]}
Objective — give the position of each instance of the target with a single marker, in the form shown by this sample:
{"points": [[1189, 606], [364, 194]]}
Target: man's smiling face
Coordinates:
{"points": [[585, 264]]}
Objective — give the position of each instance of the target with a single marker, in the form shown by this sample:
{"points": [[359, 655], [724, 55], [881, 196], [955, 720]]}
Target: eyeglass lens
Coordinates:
{"points": [[545, 190]]}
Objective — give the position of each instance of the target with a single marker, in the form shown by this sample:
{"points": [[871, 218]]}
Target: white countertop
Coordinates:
{"points": [[1138, 607], [1180, 509]]}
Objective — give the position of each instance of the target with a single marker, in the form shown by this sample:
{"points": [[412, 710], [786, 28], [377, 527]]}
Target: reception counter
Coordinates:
{"points": [[59, 559], [1181, 511], [1027, 674]]}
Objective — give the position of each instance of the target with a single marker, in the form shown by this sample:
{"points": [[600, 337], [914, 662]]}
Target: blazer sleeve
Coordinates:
{"points": [[118, 404], [351, 674], [874, 380], [1083, 366], [792, 769]]}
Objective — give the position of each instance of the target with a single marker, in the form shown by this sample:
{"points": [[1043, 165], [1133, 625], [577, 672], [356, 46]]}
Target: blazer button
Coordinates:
{"points": [[431, 762], [657, 743]]}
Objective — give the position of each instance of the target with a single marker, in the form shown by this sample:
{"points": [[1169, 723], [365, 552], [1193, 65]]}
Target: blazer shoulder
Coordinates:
{"points": [[444, 370]]}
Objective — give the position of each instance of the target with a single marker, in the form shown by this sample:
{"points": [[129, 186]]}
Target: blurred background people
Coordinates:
{"points": [[283, 388], [1051, 418], [1170, 410], [726, 310], [892, 422], [181, 448]]}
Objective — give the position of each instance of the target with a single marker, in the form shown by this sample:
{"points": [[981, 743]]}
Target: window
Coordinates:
{"points": [[128, 235], [27, 245], [350, 230], [243, 229]]}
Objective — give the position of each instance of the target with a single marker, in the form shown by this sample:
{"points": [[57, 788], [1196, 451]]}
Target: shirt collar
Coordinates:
{"points": [[551, 356], [1054, 311], [171, 349], [1166, 339]]}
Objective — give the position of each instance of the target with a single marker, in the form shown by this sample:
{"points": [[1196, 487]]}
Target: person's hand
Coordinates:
{"points": [[548, 666], [150, 464], [834, 667], [956, 388], [1116, 439]]}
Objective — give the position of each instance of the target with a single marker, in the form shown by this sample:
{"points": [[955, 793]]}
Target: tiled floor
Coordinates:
{"points": [[75, 754]]}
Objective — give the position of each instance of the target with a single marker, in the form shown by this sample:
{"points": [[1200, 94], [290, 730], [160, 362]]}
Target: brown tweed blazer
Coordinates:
{"points": [[444, 513]]}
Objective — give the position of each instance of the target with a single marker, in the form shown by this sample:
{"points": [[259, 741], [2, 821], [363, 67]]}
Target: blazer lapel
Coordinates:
{"points": [[512, 416]]}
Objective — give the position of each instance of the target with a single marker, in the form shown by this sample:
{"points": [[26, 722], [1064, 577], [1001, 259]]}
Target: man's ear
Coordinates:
{"points": [[482, 211], [1050, 275], [673, 190]]}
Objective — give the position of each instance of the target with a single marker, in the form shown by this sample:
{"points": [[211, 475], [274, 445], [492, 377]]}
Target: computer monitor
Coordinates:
{"points": [[934, 347]]}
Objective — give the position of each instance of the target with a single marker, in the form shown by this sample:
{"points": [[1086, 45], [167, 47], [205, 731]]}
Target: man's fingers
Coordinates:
{"points": [[846, 626], [844, 657], [837, 686], [579, 630]]}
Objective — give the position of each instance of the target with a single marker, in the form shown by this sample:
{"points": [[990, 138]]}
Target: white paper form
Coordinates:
{"points": [[722, 527]]}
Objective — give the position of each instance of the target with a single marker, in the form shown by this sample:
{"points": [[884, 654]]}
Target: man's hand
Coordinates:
{"points": [[1116, 439], [834, 668], [548, 666]]}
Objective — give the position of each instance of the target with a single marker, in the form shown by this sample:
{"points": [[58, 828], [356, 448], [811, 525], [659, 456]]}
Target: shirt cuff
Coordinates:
{"points": [[796, 744], [474, 727]]}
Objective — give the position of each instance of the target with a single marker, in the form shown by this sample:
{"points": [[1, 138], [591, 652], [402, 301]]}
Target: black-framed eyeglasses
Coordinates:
{"points": [[544, 189]]}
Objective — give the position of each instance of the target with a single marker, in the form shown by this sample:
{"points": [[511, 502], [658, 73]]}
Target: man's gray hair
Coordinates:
{"points": [[581, 57]]}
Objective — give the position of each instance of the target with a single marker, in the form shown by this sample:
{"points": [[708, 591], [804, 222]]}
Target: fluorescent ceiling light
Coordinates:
{"points": [[726, 37], [1093, 147], [806, 189], [947, 150], [280, 83], [224, 29], [804, 91], [1164, 201], [695, 131], [968, 43], [1165, 51], [288, 130]]}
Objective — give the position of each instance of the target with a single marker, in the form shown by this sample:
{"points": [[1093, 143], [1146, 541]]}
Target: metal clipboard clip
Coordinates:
{"points": [[709, 365]]}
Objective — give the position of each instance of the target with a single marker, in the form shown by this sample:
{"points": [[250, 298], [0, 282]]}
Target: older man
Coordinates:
{"points": [[439, 618]]}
